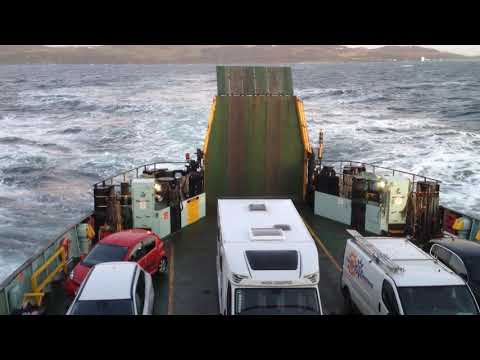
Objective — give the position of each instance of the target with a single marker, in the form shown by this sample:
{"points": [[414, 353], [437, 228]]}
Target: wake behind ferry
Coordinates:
{"points": [[257, 222]]}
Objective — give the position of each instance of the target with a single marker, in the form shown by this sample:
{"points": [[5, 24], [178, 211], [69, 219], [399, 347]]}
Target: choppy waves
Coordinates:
{"points": [[64, 127]]}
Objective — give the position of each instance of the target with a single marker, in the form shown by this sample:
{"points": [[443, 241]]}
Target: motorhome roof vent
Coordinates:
{"points": [[257, 207], [272, 260], [284, 227], [266, 234]]}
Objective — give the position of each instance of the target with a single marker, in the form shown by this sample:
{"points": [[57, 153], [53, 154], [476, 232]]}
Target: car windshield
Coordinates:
{"points": [[103, 307], [105, 253], [473, 268], [437, 300], [267, 301]]}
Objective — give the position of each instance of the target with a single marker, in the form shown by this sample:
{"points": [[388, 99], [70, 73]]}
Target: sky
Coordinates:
{"points": [[458, 49], [472, 50]]}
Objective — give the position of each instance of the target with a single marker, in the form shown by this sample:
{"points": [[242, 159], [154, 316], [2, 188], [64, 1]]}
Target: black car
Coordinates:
{"points": [[463, 257]]}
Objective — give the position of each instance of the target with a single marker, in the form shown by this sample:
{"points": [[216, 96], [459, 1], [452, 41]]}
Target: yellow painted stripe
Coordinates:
{"points": [[170, 281], [302, 123], [324, 249], [303, 126], [209, 126]]}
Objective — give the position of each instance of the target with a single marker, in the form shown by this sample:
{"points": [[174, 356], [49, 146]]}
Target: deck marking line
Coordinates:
{"points": [[324, 249], [170, 281]]}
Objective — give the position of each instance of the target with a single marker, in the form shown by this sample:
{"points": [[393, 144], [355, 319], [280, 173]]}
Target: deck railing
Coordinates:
{"points": [[374, 168], [13, 288], [18, 283], [125, 175]]}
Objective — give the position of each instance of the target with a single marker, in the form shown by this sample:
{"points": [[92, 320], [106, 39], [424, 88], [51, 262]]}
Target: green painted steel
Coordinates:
{"points": [[255, 146], [254, 80], [216, 160], [221, 79], [261, 83], [256, 157], [3, 303], [292, 149]]}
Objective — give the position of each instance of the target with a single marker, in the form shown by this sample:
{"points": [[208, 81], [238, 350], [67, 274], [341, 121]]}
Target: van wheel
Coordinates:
{"points": [[347, 301], [163, 266]]}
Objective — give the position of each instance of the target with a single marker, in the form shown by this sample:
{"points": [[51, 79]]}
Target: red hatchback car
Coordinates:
{"points": [[137, 245]]}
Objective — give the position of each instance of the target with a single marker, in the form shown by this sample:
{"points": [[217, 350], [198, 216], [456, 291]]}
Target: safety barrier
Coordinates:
{"points": [[303, 126], [302, 121], [474, 231], [373, 168], [15, 286], [38, 290]]}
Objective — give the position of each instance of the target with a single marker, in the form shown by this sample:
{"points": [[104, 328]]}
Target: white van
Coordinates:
{"points": [[267, 261], [392, 276]]}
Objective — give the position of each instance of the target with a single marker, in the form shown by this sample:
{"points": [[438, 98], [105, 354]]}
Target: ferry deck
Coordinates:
{"points": [[190, 285]]}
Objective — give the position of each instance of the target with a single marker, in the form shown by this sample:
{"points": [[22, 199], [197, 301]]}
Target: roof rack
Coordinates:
{"points": [[381, 258]]}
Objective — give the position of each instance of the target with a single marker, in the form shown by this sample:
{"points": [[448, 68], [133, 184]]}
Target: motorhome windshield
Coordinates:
{"points": [[269, 301], [437, 300]]}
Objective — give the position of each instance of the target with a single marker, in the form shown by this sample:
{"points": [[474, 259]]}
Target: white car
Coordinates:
{"points": [[115, 288]]}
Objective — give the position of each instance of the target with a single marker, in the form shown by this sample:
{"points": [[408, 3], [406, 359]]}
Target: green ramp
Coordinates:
{"points": [[255, 144]]}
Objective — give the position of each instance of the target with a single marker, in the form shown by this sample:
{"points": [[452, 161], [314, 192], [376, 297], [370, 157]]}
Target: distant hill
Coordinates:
{"points": [[210, 54]]}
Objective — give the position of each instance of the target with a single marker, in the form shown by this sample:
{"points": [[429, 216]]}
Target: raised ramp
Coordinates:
{"points": [[254, 80], [255, 145]]}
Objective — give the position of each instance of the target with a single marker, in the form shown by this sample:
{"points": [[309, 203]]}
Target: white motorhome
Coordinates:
{"points": [[267, 261], [392, 276]]}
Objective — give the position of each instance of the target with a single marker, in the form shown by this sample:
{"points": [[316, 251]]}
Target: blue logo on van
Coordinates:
{"points": [[355, 268]]}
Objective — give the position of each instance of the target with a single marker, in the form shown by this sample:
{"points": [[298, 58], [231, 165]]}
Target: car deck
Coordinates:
{"points": [[190, 286]]}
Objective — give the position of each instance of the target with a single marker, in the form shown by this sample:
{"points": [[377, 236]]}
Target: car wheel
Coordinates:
{"points": [[163, 266], [347, 301]]}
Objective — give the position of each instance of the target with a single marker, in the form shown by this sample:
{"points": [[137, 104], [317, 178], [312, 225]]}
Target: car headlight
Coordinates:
{"points": [[72, 274], [380, 185]]}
